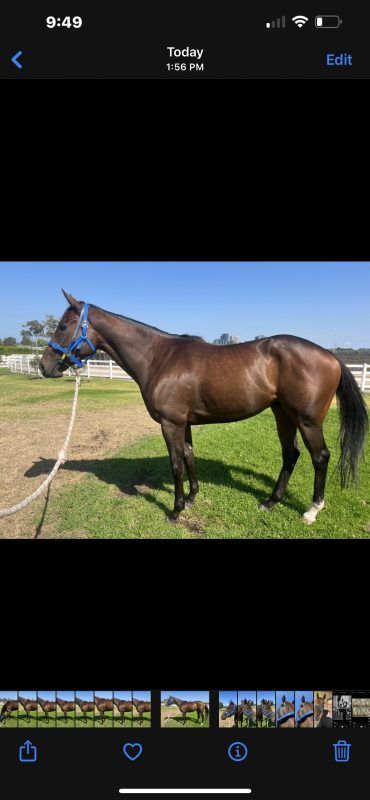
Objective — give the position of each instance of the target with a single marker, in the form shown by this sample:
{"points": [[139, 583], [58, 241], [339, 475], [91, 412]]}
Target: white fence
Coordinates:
{"points": [[95, 368]]}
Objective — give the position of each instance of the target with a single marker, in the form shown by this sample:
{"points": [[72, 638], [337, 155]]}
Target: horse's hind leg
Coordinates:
{"points": [[287, 430], [190, 467], [174, 436], [313, 438]]}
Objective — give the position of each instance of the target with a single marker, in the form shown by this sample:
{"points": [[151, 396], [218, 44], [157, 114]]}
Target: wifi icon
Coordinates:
{"points": [[300, 20]]}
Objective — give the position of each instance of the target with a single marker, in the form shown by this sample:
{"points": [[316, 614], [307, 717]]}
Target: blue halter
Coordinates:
{"points": [[229, 713], [283, 717], [303, 716], [77, 343]]}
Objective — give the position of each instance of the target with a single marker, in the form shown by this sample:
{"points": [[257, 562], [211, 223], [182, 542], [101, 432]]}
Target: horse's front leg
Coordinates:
{"points": [[190, 467], [174, 436]]}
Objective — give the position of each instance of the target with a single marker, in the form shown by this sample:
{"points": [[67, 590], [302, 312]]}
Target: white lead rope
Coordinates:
{"points": [[62, 458]]}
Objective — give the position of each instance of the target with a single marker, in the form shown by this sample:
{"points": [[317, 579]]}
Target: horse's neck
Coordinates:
{"points": [[129, 343], [178, 702]]}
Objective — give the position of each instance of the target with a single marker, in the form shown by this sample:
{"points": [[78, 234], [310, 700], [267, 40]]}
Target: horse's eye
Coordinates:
{"points": [[62, 326]]}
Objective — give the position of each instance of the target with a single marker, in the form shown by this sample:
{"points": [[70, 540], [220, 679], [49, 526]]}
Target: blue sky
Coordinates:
{"points": [[308, 696], [124, 694], [202, 696], [88, 696], [141, 696], [47, 695], [28, 694], [247, 694], [225, 697], [106, 693], [324, 302], [265, 695], [9, 695], [289, 696], [68, 696]]}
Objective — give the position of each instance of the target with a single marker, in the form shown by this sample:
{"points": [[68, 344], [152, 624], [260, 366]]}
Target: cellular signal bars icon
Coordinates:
{"points": [[280, 22]]}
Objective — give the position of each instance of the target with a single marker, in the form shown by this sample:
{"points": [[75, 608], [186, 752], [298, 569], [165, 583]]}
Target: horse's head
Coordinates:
{"points": [[319, 705], [170, 701], [229, 710], [59, 355]]}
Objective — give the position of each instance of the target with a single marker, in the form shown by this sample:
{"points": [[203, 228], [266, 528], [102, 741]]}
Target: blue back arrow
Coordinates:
{"points": [[15, 59]]}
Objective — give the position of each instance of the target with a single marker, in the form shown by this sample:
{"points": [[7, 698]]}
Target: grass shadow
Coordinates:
{"points": [[140, 476]]}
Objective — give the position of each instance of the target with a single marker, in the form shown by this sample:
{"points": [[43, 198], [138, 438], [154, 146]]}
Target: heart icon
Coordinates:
{"points": [[132, 750]]}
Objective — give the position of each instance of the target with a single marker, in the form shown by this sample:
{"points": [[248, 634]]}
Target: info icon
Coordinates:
{"points": [[237, 751]]}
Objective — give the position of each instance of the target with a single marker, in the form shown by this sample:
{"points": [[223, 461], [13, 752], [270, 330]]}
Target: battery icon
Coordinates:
{"points": [[328, 21]]}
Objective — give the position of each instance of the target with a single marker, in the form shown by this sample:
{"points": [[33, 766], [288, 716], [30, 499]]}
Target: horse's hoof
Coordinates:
{"points": [[170, 518], [189, 503], [262, 507]]}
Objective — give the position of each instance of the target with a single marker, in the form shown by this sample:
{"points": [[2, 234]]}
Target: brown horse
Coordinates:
{"points": [[141, 706], [232, 710], [304, 718], [321, 719], [8, 707], [124, 707], [285, 714], [66, 706], [48, 707], [247, 710], [266, 714], [186, 707], [185, 381], [28, 705], [86, 707], [103, 704]]}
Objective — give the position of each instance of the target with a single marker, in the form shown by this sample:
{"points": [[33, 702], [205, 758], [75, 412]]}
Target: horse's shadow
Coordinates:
{"points": [[145, 476]]}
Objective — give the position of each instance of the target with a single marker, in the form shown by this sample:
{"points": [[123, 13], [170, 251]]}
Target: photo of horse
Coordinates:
{"points": [[104, 707], [304, 710], [323, 708], [47, 709], [85, 709], [184, 709], [207, 435], [247, 708], [285, 709], [227, 709], [122, 708], [66, 709], [27, 709], [141, 709], [266, 706], [8, 709]]}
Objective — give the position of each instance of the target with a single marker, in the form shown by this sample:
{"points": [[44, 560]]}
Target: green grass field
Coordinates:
{"points": [[80, 723], [172, 718], [28, 395], [128, 494], [22, 719], [10, 722], [237, 466], [146, 721], [61, 722]]}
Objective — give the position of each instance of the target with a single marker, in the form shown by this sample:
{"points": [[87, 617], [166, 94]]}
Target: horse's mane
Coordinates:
{"points": [[187, 336]]}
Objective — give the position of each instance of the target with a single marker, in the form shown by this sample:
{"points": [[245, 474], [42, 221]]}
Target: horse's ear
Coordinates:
{"points": [[283, 698], [324, 696], [75, 304], [303, 700]]}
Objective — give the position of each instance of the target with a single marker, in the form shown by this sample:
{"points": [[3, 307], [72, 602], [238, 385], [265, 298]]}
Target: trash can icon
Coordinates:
{"points": [[341, 750]]}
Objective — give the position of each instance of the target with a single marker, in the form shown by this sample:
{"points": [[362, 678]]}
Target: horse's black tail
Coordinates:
{"points": [[207, 710], [353, 426]]}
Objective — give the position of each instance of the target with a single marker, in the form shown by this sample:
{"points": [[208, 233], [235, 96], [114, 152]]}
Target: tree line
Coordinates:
{"points": [[34, 332]]}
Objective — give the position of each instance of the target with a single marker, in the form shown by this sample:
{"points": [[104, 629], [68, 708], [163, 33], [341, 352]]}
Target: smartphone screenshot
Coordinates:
{"points": [[177, 41], [184, 512]]}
